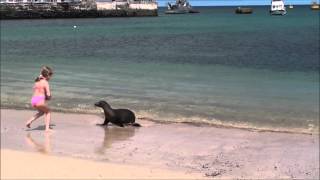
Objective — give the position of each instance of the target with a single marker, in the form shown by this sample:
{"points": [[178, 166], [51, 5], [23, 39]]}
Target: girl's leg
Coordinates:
{"points": [[44, 108], [48, 119], [33, 118]]}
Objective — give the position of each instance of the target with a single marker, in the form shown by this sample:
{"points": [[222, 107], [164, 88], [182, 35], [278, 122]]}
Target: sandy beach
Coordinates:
{"points": [[79, 149], [39, 166]]}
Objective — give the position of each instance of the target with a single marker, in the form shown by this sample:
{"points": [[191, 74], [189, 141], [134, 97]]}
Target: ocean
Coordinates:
{"points": [[251, 71]]}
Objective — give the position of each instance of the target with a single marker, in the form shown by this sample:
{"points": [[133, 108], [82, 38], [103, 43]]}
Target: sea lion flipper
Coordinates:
{"points": [[100, 124], [136, 124], [105, 122], [118, 124]]}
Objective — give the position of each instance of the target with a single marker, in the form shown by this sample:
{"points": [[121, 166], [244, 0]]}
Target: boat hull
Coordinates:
{"points": [[243, 11], [176, 12], [315, 7], [181, 11], [278, 12], [193, 11]]}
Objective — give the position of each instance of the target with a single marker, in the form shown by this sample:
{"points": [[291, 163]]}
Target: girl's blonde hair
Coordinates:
{"points": [[44, 73]]}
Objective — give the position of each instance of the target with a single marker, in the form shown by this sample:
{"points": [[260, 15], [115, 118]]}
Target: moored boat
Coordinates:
{"points": [[277, 7], [315, 6], [180, 7], [241, 10]]}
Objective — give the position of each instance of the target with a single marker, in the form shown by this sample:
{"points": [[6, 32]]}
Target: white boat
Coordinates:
{"points": [[277, 7], [315, 5], [180, 7]]}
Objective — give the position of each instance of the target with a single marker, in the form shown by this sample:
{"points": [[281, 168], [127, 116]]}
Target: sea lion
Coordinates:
{"points": [[119, 117]]}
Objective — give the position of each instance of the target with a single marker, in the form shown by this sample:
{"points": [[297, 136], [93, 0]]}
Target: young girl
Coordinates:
{"points": [[41, 94]]}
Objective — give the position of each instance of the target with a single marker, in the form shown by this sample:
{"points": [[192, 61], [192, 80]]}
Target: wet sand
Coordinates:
{"points": [[207, 151]]}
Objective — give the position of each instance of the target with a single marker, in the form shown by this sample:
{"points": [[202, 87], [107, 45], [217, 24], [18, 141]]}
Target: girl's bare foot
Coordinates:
{"points": [[28, 125], [48, 131]]}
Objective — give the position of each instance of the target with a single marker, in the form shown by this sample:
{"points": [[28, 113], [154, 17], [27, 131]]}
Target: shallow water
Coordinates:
{"points": [[253, 71]]}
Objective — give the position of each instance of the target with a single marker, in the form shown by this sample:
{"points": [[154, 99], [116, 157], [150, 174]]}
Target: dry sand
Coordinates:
{"points": [[26, 165], [156, 150]]}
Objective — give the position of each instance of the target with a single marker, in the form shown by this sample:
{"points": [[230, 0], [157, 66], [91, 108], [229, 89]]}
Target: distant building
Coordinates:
{"points": [[66, 1], [126, 4], [36, 1], [19, 9]]}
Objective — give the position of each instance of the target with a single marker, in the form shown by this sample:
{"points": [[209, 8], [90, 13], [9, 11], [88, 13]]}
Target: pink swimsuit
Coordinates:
{"points": [[36, 99]]}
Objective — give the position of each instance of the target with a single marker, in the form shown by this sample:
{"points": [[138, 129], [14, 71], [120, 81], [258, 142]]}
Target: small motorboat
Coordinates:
{"points": [[277, 8], [180, 7], [315, 6], [241, 10]]}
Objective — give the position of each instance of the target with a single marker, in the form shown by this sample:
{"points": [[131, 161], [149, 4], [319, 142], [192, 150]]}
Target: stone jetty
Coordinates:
{"points": [[33, 9]]}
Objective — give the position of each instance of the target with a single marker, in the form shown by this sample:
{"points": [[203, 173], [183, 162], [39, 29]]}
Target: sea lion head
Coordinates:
{"points": [[102, 104]]}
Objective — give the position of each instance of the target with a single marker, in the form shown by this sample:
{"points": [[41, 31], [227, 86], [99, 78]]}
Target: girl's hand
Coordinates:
{"points": [[48, 98]]}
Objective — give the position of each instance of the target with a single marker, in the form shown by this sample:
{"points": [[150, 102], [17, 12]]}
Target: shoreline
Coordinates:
{"points": [[205, 150], [204, 123]]}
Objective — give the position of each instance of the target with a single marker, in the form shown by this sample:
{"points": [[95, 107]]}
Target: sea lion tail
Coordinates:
{"points": [[136, 124]]}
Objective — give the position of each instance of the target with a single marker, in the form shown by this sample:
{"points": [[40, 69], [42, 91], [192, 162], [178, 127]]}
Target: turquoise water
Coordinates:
{"points": [[254, 71]]}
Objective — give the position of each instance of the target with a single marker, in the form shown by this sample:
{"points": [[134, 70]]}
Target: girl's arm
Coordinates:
{"points": [[47, 89]]}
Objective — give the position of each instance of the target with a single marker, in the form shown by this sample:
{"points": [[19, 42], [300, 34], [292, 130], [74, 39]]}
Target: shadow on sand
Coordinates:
{"points": [[40, 128]]}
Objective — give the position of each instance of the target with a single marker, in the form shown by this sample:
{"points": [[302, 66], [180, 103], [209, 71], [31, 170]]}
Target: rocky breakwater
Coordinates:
{"points": [[79, 9]]}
